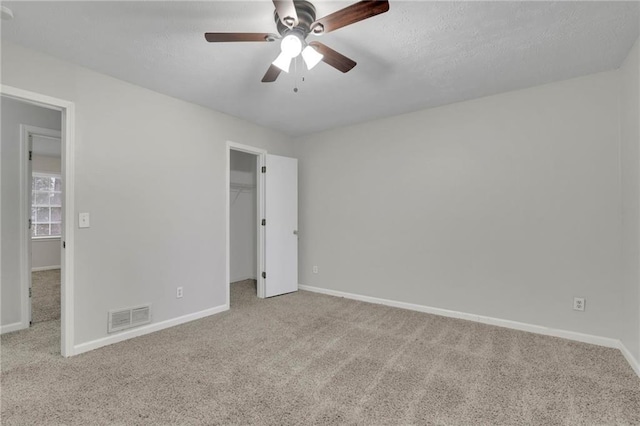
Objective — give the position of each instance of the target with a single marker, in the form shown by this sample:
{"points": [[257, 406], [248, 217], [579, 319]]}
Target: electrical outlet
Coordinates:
{"points": [[179, 293], [315, 269], [578, 304]]}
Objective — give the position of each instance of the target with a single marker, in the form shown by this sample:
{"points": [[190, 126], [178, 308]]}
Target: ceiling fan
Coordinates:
{"points": [[295, 20]]}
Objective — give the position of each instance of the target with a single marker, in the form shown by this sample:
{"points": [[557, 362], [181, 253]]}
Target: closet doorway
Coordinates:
{"points": [[262, 224], [244, 259]]}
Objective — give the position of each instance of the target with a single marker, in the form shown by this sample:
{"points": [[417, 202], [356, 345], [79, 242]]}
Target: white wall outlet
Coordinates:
{"points": [[83, 220], [179, 293], [578, 303], [315, 269]]}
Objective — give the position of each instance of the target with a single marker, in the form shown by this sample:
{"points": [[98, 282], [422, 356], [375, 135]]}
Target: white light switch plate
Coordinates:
{"points": [[83, 220]]}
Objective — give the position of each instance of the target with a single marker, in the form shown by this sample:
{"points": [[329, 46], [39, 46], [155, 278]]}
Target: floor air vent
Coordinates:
{"points": [[127, 318]]}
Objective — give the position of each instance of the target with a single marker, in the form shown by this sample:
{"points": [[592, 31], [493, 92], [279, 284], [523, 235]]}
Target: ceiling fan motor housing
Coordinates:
{"points": [[306, 16]]}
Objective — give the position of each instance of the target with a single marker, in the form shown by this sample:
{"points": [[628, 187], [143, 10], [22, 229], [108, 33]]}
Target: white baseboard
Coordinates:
{"points": [[630, 359], [235, 280], [44, 268], [547, 331], [153, 327], [12, 327]]}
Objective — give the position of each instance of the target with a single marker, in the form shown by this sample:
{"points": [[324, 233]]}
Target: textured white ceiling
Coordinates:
{"points": [[417, 55]]}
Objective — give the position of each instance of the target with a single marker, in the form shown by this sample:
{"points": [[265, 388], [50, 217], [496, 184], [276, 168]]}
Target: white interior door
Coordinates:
{"points": [[281, 230]]}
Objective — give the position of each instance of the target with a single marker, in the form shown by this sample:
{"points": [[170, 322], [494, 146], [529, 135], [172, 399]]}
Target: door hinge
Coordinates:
{"points": [[64, 244], [30, 291], [264, 169], [264, 275], [30, 223], [264, 222], [30, 155]]}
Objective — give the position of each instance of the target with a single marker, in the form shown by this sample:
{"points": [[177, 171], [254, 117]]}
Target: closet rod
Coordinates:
{"points": [[241, 186]]}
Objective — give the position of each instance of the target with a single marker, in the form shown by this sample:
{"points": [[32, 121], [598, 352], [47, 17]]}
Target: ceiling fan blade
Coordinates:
{"points": [[225, 37], [333, 58], [272, 74], [287, 12], [350, 15]]}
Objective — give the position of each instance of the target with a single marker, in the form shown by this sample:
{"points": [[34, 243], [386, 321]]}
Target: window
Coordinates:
{"points": [[46, 205]]}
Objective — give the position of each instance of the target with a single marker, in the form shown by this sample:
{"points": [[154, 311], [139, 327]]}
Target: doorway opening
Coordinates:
{"points": [[44, 197], [275, 188], [37, 216], [245, 230]]}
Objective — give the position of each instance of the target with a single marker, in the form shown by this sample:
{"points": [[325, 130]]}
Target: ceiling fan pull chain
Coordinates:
{"points": [[295, 75]]}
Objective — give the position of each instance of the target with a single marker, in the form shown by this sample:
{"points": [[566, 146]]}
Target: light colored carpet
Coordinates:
{"points": [[305, 358], [45, 295]]}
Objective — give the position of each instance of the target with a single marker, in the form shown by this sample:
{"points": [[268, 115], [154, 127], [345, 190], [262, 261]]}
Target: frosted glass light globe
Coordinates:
{"points": [[291, 45], [311, 57]]}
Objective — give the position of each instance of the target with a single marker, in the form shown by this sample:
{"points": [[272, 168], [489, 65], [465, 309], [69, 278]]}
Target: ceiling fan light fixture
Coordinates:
{"points": [[283, 61], [311, 57], [295, 21], [291, 45]]}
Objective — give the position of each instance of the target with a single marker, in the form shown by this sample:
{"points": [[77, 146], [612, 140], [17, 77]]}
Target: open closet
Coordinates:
{"points": [[243, 220]]}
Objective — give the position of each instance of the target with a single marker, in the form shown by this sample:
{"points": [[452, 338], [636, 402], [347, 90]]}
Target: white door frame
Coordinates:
{"points": [[261, 155], [26, 132], [68, 210]]}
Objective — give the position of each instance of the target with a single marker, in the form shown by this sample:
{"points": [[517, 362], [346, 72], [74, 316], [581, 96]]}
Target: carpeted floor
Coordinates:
{"points": [[306, 358], [45, 296]]}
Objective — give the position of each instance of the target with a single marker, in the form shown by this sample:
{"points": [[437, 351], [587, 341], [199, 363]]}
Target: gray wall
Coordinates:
{"points": [[243, 217], [630, 161], [506, 206], [45, 254], [13, 114], [151, 170]]}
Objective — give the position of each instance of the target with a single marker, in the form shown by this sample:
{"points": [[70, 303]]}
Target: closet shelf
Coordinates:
{"points": [[241, 186]]}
